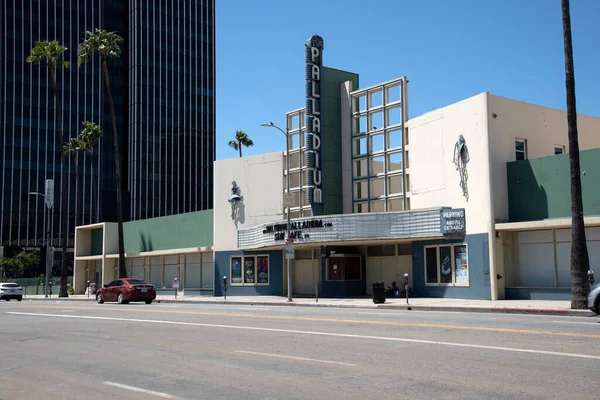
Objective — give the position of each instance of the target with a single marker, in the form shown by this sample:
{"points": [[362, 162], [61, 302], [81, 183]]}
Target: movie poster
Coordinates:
{"points": [[249, 270], [262, 269], [236, 270]]}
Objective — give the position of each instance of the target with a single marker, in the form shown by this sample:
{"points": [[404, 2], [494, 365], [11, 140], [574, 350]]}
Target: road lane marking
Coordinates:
{"points": [[295, 358], [348, 321], [315, 333], [597, 323], [137, 389]]}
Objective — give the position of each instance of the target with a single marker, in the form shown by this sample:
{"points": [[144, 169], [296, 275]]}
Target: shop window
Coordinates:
{"points": [[559, 149], [520, 149], [250, 270], [447, 265], [344, 268], [381, 251]]}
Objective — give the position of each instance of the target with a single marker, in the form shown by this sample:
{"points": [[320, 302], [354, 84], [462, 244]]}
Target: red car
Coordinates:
{"points": [[125, 290]]}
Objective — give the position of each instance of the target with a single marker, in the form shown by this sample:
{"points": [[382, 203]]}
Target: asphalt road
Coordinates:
{"points": [[73, 350]]}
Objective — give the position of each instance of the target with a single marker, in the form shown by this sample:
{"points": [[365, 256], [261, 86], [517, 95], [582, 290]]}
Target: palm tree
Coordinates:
{"points": [[52, 53], [107, 45], [241, 139], [87, 139], [580, 262]]}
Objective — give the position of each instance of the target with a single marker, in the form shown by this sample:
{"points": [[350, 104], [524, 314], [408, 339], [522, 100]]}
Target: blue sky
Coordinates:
{"points": [[449, 50]]}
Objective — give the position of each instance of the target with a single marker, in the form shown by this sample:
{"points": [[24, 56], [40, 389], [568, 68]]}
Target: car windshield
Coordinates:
{"points": [[10, 285], [137, 282]]}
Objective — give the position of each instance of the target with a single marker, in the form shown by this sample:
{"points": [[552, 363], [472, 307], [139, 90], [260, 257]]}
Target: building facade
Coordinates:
{"points": [[470, 200], [163, 87]]}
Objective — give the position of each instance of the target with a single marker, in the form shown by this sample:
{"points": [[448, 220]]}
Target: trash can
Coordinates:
{"points": [[378, 292]]}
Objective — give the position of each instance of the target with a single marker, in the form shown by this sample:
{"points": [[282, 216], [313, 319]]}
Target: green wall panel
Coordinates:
{"points": [[173, 232], [540, 188], [96, 247], [331, 139]]}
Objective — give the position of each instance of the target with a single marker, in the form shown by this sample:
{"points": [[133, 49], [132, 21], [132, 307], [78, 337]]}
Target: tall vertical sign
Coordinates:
{"points": [[314, 60]]}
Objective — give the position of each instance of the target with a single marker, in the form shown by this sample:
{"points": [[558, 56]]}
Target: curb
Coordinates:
{"points": [[485, 310]]}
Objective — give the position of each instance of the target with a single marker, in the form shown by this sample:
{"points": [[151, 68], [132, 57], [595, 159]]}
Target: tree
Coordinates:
{"points": [[52, 53], [21, 265], [107, 45], [85, 142], [241, 139], [580, 262]]}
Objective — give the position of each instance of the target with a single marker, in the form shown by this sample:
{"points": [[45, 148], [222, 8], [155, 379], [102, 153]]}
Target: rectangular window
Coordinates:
{"points": [[559, 149], [447, 265], [520, 149], [250, 270]]}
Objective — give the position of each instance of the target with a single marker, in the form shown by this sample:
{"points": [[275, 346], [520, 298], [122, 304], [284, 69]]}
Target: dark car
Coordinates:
{"points": [[126, 290]]}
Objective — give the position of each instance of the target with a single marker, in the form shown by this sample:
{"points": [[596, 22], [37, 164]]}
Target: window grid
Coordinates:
{"points": [[296, 128], [377, 115]]}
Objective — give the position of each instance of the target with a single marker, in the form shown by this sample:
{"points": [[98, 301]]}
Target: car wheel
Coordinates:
{"points": [[148, 301], [7, 299], [99, 298], [121, 299], [598, 306], [19, 299]]}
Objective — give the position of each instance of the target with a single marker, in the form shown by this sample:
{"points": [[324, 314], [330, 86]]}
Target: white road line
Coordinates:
{"points": [[597, 323], [295, 358], [345, 335], [136, 389]]}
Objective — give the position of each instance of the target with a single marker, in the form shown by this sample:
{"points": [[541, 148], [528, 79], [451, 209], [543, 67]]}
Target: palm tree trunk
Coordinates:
{"points": [[580, 262], [240, 148], [122, 268], [64, 198]]}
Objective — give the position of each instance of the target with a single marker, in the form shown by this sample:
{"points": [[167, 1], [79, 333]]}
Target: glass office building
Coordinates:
{"points": [[163, 88]]}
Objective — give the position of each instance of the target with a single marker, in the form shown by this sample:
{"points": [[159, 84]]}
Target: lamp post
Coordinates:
{"points": [[287, 174], [49, 197]]}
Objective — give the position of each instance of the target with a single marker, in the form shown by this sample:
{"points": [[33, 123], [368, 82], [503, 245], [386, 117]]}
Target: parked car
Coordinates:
{"points": [[594, 299], [10, 291], [126, 290]]}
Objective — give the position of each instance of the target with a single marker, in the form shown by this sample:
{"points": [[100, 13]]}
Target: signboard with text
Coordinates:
{"points": [[452, 220]]}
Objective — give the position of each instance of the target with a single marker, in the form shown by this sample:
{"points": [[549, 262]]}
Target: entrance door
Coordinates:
{"points": [[388, 270], [305, 275]]}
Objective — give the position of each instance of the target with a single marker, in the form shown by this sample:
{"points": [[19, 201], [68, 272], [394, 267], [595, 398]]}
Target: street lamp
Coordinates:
{"points": [[49, 197], [287, 173]]}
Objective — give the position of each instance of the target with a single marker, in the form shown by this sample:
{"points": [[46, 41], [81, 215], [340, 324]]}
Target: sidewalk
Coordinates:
{"points": [[539, 307]]}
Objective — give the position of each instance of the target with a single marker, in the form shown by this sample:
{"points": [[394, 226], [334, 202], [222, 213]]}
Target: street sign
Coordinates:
{"points": [[289, 249], [49, 193], [289, 199], [175, 283]]}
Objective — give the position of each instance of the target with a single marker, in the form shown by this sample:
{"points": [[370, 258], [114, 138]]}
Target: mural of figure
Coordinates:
{"points": [[234, 199], [460, 161]]}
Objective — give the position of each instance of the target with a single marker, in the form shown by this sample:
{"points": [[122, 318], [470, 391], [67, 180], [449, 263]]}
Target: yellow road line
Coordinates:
{"points": [[334, 320]]}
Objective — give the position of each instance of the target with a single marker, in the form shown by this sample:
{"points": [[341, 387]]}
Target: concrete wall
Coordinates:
{"points": [[539, 188], [542, 127], [194, 229], [434, 180], [261, 182], [331, 138]]}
